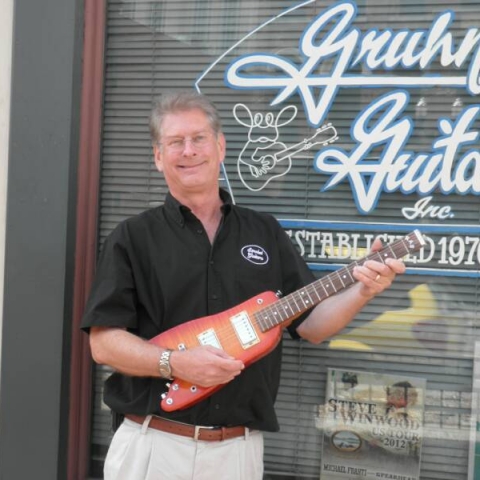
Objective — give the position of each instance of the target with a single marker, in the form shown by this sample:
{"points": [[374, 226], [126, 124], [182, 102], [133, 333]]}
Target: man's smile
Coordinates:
{"points": [[191, 167]]}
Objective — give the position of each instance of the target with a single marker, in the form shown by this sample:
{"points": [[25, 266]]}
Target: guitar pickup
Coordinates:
{"points": [[244, 330], [209, 337]]}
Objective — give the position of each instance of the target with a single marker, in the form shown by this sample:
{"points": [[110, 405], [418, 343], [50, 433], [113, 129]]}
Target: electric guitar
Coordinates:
{"points": [[275, 165], [252, 329]]}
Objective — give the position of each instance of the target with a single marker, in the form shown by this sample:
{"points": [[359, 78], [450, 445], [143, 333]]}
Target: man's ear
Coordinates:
{"points": [[157, 155], [222, 145]]}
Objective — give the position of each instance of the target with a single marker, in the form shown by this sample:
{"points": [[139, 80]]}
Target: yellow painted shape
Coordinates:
{"points": [[423, 307]]}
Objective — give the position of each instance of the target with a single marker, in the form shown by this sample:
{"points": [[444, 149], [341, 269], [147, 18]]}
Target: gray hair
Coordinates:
{"points": [[175, 102]]}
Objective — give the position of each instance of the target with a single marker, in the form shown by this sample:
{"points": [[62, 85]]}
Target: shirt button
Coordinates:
{"points": [[214, 297], [211, 262], [217, 406], [199, 231]]}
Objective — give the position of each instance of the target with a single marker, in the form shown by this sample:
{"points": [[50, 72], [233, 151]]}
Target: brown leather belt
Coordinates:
{"points": [[207, 434]]}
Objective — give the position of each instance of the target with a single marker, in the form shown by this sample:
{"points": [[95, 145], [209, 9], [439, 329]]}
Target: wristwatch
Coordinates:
{"points": [[164, 366]]}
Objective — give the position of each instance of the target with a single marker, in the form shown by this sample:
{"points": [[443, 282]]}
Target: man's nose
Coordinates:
{"points": [[189, 147]]}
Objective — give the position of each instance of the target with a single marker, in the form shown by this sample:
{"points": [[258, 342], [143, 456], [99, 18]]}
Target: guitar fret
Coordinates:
{"points": [[287, 308], [324, 289], [316, 293], [267, 319], [330, 284], [275, 317], [350, 273], [281, 311], [302, 293], [294, 298], [296, 304], [300, 298], [311, 299], [348, 278], [340, 277], [260, 321]]}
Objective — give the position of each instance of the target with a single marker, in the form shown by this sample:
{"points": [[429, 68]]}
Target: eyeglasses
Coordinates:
{"points": [[177, 144]]}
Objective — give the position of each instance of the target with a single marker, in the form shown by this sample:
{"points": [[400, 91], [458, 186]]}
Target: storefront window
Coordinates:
{"points": [[346, 121]]}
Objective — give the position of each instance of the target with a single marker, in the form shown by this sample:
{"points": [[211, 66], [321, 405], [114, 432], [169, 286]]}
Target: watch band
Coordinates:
{"points": [[164, 366]]}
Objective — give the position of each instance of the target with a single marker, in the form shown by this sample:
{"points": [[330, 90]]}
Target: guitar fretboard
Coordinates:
{"points": [[294, 304]]}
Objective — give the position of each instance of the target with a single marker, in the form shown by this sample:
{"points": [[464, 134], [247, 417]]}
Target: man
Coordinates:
{"points": [[182, 261]]}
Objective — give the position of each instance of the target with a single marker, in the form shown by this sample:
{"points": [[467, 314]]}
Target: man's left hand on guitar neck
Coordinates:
{"points": [[336, 312]]}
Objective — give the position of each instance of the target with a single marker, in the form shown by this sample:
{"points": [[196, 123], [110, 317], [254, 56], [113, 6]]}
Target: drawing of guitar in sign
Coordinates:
{"points": [[264, 157]]}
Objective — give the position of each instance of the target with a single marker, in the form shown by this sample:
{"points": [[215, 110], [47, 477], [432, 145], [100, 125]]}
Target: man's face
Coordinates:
{"points": [[189, 153], [400, 397]]}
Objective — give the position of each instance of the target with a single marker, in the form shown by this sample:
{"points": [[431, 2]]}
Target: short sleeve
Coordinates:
{"points": [[112, 299]]}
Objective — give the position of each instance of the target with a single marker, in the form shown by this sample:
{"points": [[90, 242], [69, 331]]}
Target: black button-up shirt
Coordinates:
{"points": [[159, 269]]}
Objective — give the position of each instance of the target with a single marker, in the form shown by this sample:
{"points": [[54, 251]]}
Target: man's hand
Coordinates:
{"points": [[205, 366], [336, 312], [375, 277]]}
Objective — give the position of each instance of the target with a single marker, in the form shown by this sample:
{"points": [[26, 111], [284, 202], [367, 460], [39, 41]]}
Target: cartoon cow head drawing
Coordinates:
{"points": [[263, 128]]}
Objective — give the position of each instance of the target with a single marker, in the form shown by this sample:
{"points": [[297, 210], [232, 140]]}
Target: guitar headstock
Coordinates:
{"points": [[324, 135], [415, 240]]}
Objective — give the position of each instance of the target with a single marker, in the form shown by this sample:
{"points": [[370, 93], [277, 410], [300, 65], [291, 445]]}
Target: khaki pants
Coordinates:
{"points": [[141, 453]]}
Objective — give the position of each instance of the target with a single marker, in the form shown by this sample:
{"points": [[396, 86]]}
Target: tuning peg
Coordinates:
{"points": [[168, 385], [164, 396]]}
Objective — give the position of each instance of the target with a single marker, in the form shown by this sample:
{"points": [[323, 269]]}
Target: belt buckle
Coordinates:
{"points": [[197, 431]]}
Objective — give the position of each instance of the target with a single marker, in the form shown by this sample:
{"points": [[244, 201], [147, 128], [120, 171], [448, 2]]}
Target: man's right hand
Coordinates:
{"points": [[205, 366]]}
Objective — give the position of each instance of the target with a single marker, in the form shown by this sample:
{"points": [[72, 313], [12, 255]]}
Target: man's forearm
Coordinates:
{"points": [[124, 352], [332, 315]]}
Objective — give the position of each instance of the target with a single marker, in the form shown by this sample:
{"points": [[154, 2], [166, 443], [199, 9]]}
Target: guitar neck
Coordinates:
{"points": [[290, 151], [291, 306], [306, 144]]}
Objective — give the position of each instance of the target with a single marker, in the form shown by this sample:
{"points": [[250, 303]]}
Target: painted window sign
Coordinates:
{"points": [[377, 121], [346, 120], [373, 49]]}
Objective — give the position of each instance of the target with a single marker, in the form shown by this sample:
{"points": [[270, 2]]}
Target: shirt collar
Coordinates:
{"points": [[178, 211]]}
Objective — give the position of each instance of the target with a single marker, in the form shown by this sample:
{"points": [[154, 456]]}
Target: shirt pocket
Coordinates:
{"points": [[250, 280]]}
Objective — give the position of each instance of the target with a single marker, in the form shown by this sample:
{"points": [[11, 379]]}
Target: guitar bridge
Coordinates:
{"points": [[244, 330]]}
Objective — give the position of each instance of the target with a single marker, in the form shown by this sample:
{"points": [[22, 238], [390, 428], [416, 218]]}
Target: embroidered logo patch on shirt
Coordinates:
{"points": [[255, 254]]}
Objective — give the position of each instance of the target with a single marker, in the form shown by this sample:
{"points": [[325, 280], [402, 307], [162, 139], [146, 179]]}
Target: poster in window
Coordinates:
{"points": [[372, 426]]}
